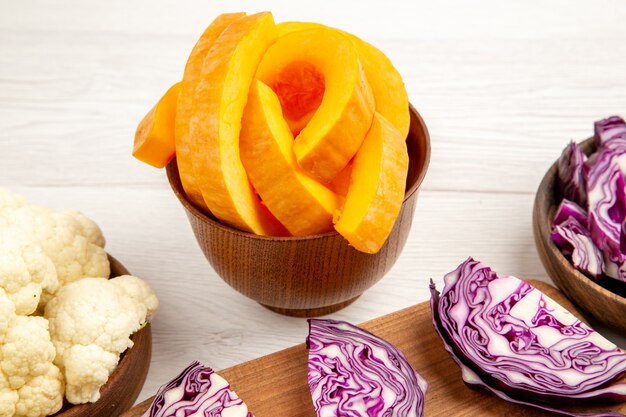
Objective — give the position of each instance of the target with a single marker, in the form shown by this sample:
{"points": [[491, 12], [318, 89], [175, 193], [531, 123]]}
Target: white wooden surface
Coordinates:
{"points": [[503, 85]]}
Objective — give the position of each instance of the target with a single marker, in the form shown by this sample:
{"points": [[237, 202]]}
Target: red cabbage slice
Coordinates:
{"points": [[569, 209], [614, 269], [513, 340], [606, 193], [571, 236], [575, 242], [571, 165], [608, 129], [353, 373], [197, 391]]}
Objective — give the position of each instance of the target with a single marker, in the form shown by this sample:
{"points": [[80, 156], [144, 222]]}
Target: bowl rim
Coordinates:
{"points": [[543, 221], [174, 180]]}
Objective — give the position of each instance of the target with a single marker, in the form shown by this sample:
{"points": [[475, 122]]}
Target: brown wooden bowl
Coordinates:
{"points": [[311, 275], [125, 383], [604, 300]]}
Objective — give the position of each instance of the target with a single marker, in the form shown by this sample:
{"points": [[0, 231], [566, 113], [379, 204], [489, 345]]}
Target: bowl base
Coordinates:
{"points": [[311, 312]]}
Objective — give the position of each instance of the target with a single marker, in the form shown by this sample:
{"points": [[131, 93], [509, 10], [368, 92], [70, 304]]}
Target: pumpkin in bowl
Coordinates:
{"points": [[271, 133]]}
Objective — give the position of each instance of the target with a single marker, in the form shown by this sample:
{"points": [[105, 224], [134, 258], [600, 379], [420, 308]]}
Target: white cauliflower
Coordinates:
{"points": [[88, 227], [91, 321], [9, 199], [24, 270], [70, 240], [30, 384]]}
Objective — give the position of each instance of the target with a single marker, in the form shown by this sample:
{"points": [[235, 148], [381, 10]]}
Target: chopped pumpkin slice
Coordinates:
{"points": [[217, 109], [154, 138], [336, 129], [377, 189], [191, 79], [388, 88], [301, 204]]}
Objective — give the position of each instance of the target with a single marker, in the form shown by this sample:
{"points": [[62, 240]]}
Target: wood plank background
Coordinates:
{"points": [[502, 86]]}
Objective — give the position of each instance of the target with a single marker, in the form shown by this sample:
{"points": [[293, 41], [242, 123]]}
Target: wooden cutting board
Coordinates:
{"points": [[276, 385]]}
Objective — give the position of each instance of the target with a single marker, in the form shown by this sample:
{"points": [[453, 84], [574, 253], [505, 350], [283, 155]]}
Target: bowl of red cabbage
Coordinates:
{"points": [[579, 222]]}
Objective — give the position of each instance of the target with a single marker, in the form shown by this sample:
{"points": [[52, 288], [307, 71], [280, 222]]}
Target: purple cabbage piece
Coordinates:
{"points": [[608, 129], [569, 209], [571, 165], [516, 342], [357, 374], [562, 241], [606, 194], [575, 242], [197, 391], [572, 237], [616, 268]]}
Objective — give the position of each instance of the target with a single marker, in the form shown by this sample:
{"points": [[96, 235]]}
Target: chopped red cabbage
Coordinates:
{"points": [[606, 194], [575, 242], [608, 129], [569, 209], [594, 191], [570, 174]]}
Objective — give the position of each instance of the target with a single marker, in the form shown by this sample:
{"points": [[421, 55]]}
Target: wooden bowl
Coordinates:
{"points": [[125, 383], [311, 275], [604, 300]]}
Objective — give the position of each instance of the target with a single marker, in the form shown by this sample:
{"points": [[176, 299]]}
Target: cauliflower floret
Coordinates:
{"points": [[11, 200], [88, 227], [26, 350], [91, 321], [65, 238], [30, 384], [42, 395], [24, 270], [140, 292], [8, 398], [92, 366]]}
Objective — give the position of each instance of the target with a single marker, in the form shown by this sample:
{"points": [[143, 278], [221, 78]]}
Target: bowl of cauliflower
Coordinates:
{"points": [[75, 337]]}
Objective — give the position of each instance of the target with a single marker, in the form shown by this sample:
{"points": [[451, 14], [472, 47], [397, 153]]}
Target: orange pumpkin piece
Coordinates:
{"points": [[388, 88], [154, 138], [219, 100], [301, 204], [191, 78], [341, 183], [377, 189], [336, 129]]}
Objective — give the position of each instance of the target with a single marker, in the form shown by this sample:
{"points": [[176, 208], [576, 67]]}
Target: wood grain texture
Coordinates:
{"points": [[502, 86], [311, 275], [126, 381], [604, 300], [276, 385]]}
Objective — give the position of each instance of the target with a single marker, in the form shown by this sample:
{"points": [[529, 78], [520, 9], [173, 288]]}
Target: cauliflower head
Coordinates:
{"points": [[25, 270], [91, 321], [70, 240], [30, 384]]}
